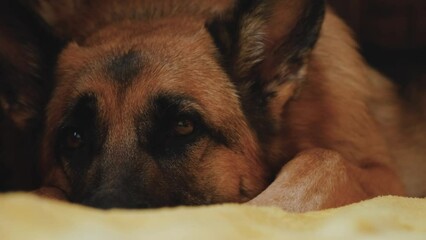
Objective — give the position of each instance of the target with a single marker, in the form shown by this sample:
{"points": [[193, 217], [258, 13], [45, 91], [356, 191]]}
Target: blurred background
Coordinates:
{"points": [[392, 35]]}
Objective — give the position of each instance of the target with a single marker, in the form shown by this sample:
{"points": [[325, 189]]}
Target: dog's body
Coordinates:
{"points": [[161, 103]]}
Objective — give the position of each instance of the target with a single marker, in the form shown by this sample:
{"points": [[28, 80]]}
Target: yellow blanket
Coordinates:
{"points": [[23, 216]]}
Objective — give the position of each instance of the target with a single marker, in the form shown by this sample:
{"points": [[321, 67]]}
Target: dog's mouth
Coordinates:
{"points": [[112, 199]]}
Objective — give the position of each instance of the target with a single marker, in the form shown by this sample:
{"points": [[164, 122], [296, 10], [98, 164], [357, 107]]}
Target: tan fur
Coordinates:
{"points": [[340, 127], [402, 123], [352, 102], [116, 109]]}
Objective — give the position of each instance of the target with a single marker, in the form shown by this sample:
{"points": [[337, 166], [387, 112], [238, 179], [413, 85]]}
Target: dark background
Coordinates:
{"points": [[392, 35]]}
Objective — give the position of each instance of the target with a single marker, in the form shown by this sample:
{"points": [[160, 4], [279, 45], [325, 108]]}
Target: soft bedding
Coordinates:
{"points": [[24, 216]]}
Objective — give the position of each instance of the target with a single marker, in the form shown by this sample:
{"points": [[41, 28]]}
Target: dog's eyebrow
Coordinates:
{"points": [[178, 103], [182, 103], [125, 67]]}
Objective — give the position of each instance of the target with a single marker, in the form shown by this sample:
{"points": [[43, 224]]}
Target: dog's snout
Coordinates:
{"points": [[108, 199]]}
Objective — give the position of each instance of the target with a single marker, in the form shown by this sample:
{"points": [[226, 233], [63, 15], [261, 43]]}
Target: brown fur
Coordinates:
{"points": [[274, 96]]}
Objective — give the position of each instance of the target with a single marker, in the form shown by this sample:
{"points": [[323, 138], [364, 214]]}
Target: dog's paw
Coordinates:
{"points": [[315, 179]]}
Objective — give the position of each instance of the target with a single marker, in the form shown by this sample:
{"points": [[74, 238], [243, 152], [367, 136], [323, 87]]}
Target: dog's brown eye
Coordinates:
{"points": [[183, 127], [73, 140]]}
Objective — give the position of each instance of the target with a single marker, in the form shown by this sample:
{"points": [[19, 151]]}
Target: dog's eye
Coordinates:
{"points": [[73, 139], [183, 127]]}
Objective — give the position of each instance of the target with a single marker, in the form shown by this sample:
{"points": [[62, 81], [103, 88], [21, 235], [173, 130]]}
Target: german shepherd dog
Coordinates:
{"points": [[163, 103]]}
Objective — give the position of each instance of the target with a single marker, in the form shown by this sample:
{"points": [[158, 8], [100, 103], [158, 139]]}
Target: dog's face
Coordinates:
{"points": [[147, 115], [153, 123]]}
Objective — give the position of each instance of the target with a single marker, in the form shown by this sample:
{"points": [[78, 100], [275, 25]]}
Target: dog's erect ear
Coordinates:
{"points": [[267, 39]]}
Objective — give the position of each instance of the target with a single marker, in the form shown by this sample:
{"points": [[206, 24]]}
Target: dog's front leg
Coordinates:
{"points": [[319, 179]]}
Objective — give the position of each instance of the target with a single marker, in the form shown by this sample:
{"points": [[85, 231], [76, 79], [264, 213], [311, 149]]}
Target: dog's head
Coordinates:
{"points": [[176, 111]]}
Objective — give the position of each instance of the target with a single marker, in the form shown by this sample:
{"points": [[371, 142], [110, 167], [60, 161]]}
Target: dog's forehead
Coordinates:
{"points": [[140, 76], [125, 76], [166, 54], [124, 67]]}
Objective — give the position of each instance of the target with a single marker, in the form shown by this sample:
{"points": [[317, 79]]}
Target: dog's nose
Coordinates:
{"points": [[108, 199]]}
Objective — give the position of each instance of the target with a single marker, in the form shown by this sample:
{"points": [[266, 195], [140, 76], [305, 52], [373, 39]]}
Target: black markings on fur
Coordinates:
{"points": [[291, 52], [161, 144], [305, 34], [225, 29], [227, 32], [166, 109], [83, 118], [124, 68], [244, 193], [254, 104]]}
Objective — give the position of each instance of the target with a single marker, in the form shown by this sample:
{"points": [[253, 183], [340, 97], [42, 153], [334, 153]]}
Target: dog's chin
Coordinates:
{"points": [[116, 201], [109, 199]]}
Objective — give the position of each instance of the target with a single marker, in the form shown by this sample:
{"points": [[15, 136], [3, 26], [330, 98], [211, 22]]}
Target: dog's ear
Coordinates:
{"points": [[267, 41]]}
